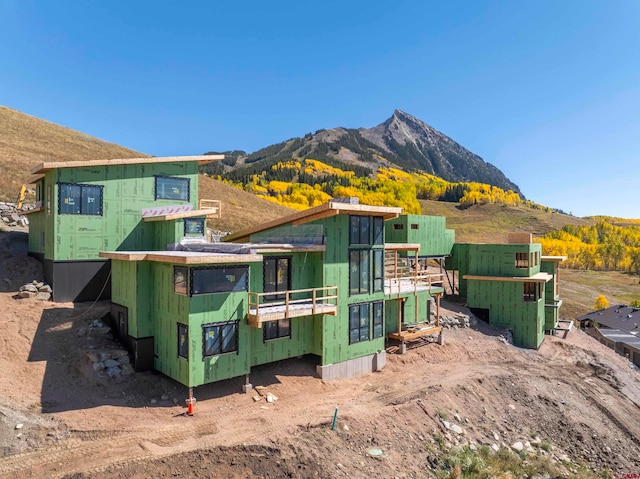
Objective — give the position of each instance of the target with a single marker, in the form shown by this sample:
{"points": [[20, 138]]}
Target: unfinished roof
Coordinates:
{"points": [[326, 210], [536, 278], [44, 167], [176, 216], [557, 259], [181, 257]]}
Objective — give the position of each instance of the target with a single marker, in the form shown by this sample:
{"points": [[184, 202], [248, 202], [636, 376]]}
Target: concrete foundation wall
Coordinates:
{"points": [[353, 368]]}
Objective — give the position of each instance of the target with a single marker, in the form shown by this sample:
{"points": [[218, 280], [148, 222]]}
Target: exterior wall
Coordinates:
{"points": [[127, 190], [306, 272], [335, 342], [507, 308], [429, 231]]}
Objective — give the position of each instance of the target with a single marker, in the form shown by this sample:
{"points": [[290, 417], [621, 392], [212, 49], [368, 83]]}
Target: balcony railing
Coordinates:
{"points": [[214, 205], [296, 303], [411, 282]]}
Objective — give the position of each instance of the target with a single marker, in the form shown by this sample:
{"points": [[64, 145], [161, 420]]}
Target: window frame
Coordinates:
{"points": [[378, 230], [194, 270], [362, 286], [158, 178], [377, 266], [83, 194], [278, 294], [377, 320], [360, 236], [282, 332], [183, 349], [359, 324], [235, 323], [201, 230], [522, 261], [531, 291], [185, 272]]}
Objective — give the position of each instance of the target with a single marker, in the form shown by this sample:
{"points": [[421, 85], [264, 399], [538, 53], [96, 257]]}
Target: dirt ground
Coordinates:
{"points": [[59, 418]]}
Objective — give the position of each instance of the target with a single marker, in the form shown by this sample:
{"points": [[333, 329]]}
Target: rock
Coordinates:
{"points": [[164, 397], [457, 417], [113, 372], [271, 398], [536, 441], [29, 287], [123, 360], [495, 436], [153, 401], [82, 331], [512, 407], [126, 369], [105, 355], [119, 353], [43, 296], [457, 429], [93, 357], [345, 427], [98, 366], [495, 447], [27, 294], [45, 288], [111, 363], [446, 424], [19, 426], [517, 446], [530, 450], [257, 398]]}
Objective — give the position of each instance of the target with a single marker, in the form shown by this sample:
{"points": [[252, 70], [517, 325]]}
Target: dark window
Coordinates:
{"points": [[531, 291], [277, 329], [415, 226], [378, 270], [180, 276], [358, 323], [277, 276], [378, 319], [358, 271], [183, 341], [79, 199], [194, 226], [359, 230], [172, 188], [378, 230], [219, 338], [522, 260], [219, 279], [398, 226]]}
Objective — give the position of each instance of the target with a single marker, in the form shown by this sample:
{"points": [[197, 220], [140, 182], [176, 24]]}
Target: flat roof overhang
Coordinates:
{"points": [[536, 278], [181, 257]]}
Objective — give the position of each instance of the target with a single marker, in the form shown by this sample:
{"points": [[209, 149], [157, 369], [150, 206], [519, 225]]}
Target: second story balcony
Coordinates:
{"points": [[291, 304]]}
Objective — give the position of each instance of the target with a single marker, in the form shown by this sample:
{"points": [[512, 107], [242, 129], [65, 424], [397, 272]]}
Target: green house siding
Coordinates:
{"points": [[551, 310], [429, 231], [127, 190], [507, 309]]}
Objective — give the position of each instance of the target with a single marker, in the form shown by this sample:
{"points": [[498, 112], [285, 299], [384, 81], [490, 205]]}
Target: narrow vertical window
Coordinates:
{"points": [[378, 270], [378, 319], [183, 341]]}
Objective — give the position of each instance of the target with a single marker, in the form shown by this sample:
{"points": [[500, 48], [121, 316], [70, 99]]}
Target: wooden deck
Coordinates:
{"points": [[415, 332], [307, 302]]}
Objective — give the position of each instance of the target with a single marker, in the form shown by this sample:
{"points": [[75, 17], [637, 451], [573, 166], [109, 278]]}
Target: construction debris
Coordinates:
{"points": [[12, 216], [35, 290]]}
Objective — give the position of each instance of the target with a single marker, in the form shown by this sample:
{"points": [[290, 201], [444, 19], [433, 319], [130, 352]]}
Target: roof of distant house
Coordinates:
{"points": [[623, 317]]}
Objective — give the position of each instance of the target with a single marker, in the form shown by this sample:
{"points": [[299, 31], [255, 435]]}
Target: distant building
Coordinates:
{"points": [[616, 327]]}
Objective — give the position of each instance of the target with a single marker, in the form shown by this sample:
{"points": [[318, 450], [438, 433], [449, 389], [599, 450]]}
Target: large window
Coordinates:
{"points": [[359, 322], [359, 230], [378, 270], [183, 341], [219, 338], [358, 271], [532, 291], [522, 260], [180, 276], [79, 199], [277, 329], [218, 279], [172, 188], [277, 277]]}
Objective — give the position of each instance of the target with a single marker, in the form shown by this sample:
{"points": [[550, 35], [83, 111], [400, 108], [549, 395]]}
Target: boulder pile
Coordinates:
{"points": [[35, 290], [12, 216]]}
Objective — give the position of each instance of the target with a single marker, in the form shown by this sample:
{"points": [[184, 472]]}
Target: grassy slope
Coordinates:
{"points": [[26, 141]]}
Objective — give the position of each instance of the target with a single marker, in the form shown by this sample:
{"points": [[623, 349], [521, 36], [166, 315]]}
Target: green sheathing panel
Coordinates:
{"points": [[123, 290], [500, 259], [37, 233], [507, 308], [335, 345], [306, 272], [127, 190], [168, 232], [429, 231], [459, 261], [391, 316], [552, 314]]}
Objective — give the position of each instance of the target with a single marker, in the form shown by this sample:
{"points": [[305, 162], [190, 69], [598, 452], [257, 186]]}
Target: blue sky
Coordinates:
{"points": [[548, 91]]}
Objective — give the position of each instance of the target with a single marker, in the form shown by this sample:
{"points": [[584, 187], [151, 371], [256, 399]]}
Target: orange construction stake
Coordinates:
{"points": [[191, 401]]}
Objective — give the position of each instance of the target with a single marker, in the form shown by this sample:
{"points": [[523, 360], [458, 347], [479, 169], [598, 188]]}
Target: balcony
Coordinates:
{"points": [[401, 277], [296, 303]]}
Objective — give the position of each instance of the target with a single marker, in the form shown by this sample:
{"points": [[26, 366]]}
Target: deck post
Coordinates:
{"points": [[247, 386]]}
